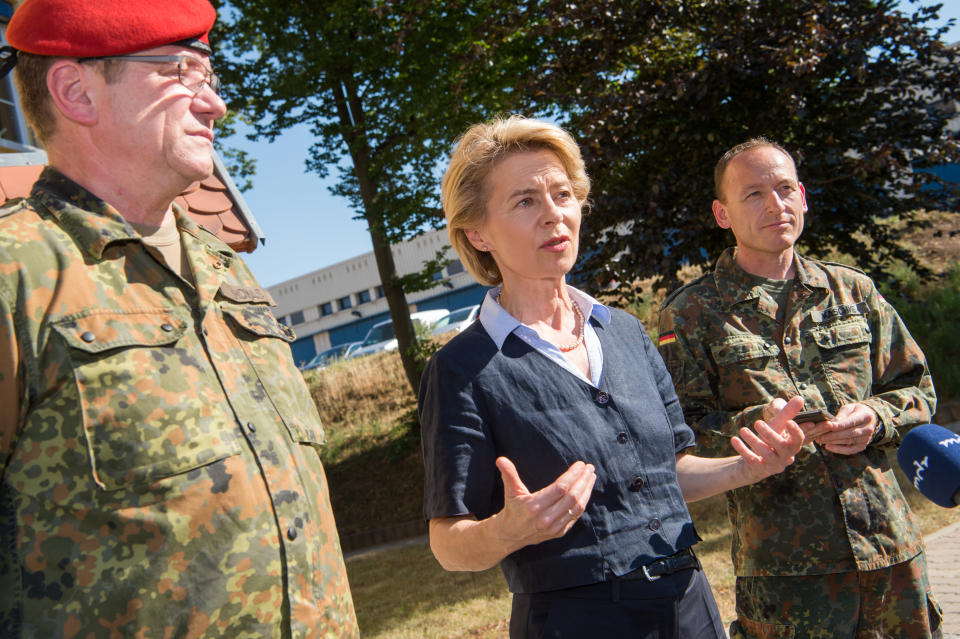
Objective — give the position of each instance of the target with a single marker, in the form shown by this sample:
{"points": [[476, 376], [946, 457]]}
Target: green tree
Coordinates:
{"points": [[656, 91], [385, 86]]}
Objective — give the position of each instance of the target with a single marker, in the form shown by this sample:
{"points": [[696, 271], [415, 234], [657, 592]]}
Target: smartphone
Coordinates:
{"points": [[819, 415]]}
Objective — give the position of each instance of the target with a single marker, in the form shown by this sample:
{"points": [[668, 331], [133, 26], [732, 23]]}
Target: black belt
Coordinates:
{"points": [[636, 584], [676, 562]]}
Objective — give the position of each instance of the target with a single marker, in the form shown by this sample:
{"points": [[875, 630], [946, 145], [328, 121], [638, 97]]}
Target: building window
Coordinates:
{"points": [[296, 317], [326, 309], [380, 292], [455, 267], [344, 303], [437, 276], [363, 296], [284, 321]]}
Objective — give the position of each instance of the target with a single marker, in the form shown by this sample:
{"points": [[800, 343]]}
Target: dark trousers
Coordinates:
{"points": [[680, 605]]}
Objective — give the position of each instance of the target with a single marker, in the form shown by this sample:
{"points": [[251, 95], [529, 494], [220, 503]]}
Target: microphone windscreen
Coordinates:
{"points": [[930, 457]]}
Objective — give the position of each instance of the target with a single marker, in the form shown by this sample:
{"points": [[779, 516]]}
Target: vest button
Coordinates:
{"points": [[636, 484], [602, 398], [623, 438]]}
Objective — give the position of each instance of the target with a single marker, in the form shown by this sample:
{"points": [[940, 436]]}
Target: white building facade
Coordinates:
{"points": [[339, 303]]}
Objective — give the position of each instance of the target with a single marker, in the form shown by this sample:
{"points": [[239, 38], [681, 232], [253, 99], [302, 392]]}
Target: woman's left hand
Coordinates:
{"points": [[771, 446]]}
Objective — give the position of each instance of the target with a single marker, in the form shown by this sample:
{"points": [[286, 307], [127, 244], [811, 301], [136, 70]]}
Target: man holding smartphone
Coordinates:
{"points": [[829, 547]]}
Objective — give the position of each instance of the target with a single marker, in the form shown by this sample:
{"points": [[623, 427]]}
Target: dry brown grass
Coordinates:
{"points": [[646, 300], [354, 392]]}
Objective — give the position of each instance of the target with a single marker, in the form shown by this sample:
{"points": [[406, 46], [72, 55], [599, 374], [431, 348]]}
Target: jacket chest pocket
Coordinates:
{"points": [[266, 344], [843, 348], [150, 404], [748, 370]]}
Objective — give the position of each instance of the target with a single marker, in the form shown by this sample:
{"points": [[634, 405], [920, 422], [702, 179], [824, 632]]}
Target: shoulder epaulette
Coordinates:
{"points": [[12, 206], [695, 282], [203, 228], [810, 260], [847, 266]]}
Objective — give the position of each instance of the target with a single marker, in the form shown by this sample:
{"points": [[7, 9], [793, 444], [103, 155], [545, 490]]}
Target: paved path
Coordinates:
{"points": [[943, 566], [943, 562]]}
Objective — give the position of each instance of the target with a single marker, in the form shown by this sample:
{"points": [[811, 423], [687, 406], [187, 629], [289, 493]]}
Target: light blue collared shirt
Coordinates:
{"points": [[499, 324]]}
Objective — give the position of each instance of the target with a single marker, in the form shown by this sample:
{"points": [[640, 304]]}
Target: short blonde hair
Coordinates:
{"points": [[464, 192]]}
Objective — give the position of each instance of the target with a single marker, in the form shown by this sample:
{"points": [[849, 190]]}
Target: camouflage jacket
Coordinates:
{"points": [[159, 466], [841, 342]]}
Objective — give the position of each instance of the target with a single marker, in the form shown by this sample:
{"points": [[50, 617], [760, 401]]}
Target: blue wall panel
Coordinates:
{"points": [[303, 350], [949, 172]]}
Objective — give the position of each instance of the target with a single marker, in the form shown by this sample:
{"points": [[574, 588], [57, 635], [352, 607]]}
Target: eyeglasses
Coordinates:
{"points": [[190, 72]]}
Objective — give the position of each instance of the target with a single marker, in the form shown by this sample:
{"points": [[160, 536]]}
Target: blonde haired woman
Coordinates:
{"points": [[553, 441]]}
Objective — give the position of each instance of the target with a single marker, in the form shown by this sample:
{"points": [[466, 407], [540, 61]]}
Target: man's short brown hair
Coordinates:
{"points": [[30, 77], [753, 143]]}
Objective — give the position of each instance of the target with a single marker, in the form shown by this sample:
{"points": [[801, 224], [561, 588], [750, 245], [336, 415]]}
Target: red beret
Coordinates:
{"points": [[93, 28]]}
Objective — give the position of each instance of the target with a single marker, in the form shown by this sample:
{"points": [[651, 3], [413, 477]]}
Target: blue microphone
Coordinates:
{"points": [[930, 457]]}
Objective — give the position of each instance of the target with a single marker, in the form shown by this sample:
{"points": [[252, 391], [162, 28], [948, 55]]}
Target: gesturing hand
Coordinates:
{"points": [[530, 518], [772, 447]]}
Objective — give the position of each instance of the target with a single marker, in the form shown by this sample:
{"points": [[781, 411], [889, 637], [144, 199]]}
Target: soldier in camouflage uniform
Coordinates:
{"points": [[829, 548], [159, 465]]}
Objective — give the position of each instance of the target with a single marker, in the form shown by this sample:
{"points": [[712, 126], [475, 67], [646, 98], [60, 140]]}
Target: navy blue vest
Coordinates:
{"points": [[478, 403]]}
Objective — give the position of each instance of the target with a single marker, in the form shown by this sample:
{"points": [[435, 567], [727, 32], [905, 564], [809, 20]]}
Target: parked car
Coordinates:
{"points": [[457, 320], [331, 355], [380, 337]]}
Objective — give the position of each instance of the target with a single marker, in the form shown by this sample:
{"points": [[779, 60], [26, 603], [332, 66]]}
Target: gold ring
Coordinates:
{"points": [[570, 512]]}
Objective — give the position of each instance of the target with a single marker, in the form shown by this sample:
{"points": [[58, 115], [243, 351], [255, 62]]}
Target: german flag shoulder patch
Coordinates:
{"points": [[667, 338]]}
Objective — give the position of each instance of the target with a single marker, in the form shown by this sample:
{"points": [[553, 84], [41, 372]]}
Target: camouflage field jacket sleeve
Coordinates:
{"points": [[159, 464], [840, 342]]}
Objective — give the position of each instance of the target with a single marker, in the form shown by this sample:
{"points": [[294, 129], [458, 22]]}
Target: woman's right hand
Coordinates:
{"points": [[530, 518], [465, 543]]}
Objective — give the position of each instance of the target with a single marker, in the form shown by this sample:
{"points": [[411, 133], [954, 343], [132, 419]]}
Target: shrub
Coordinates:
{"points": [[931, 310]]}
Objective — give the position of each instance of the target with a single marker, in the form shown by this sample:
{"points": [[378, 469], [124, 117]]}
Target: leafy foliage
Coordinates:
{"points": [[657, 91], [654, 91], [385, 86], [240, 164], [930, 309]]}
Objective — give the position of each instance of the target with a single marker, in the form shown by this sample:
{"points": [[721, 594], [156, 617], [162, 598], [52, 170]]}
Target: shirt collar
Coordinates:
{"points": [[499, 323]]}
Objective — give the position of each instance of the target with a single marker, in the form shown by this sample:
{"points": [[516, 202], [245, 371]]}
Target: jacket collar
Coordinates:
{"points": [[92, 223], [736, 285]]}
